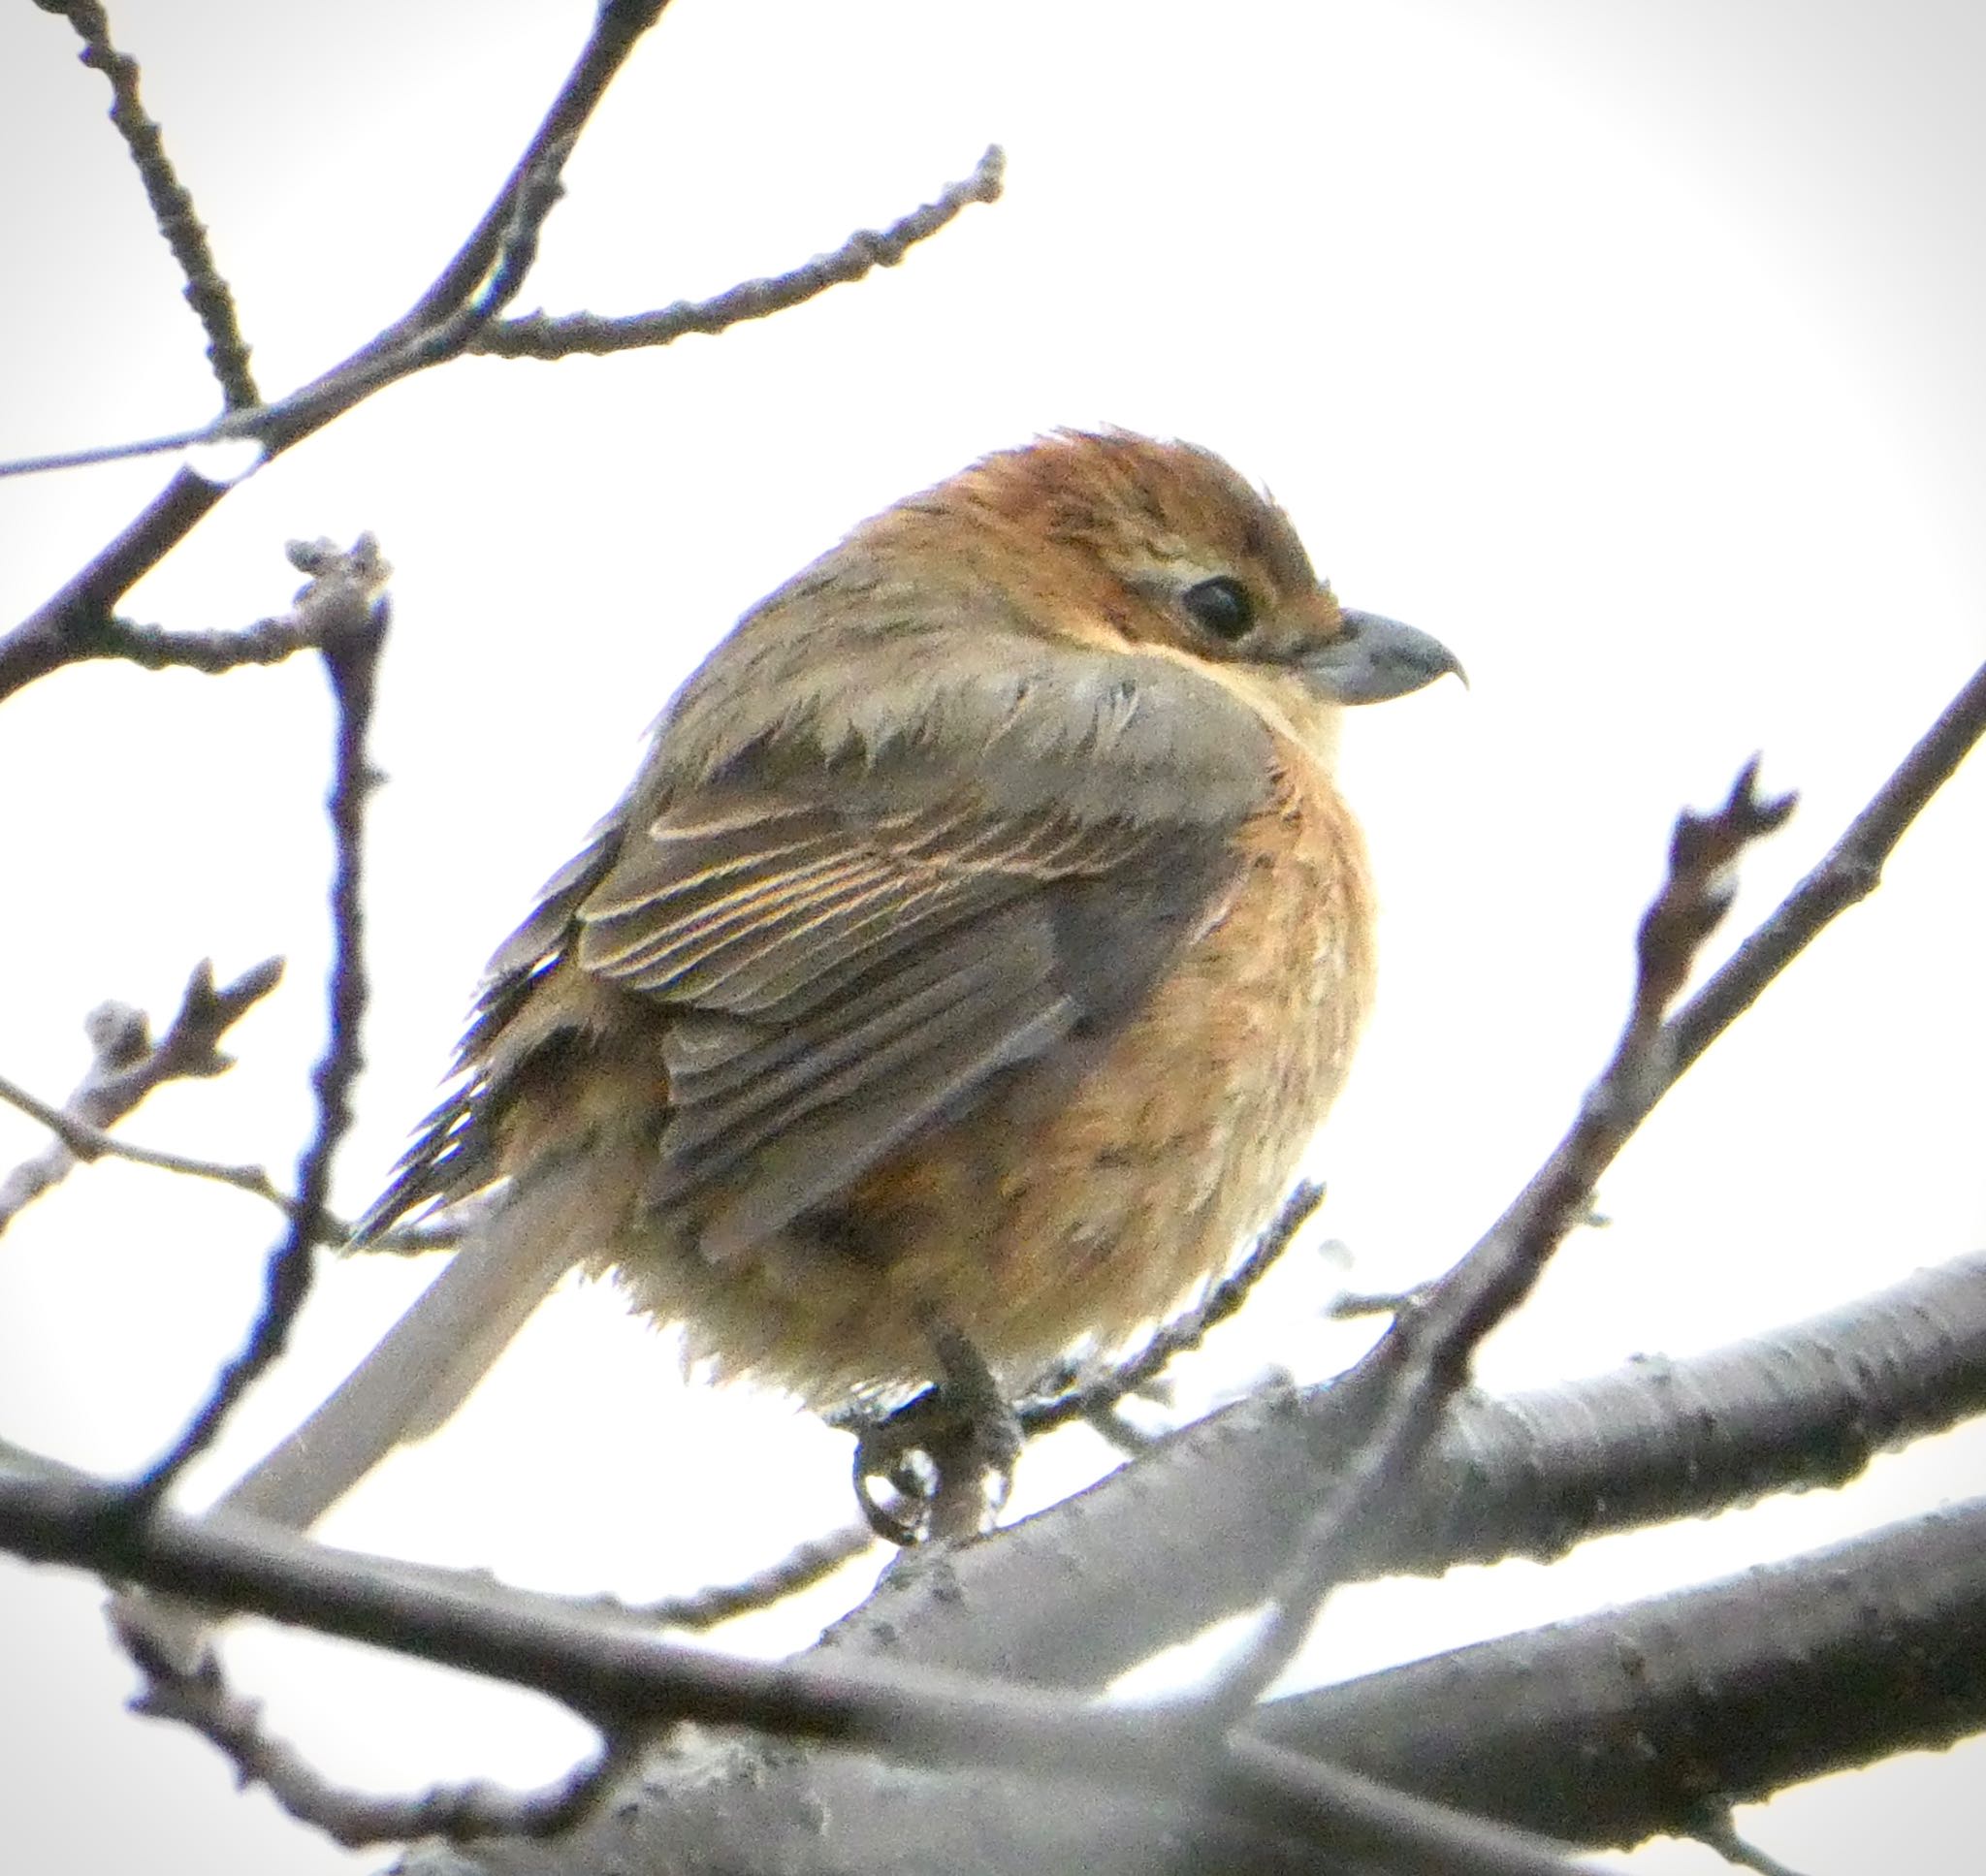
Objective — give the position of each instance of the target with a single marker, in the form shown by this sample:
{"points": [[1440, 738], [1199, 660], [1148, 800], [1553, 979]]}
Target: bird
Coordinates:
{"points": [[958, 982]]}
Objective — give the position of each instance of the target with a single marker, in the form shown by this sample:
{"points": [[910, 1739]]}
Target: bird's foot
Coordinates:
{"points": [[946, 1458]]}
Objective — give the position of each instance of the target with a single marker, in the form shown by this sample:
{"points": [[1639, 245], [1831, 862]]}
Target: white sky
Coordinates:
{"points": [[1630, 349]]}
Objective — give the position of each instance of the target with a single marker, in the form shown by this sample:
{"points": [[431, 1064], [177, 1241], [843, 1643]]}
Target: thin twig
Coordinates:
{"points": [[618, 28], [269, 640], [473, 327], [1850, 872], [1175, 1339], [543, 337], [1109, 1425], [87, 1143], [347, 614], [537, 193], [172, 207], [1719, 1832], [801, 1568], [201, 1699], [1424, 1359], [70, 623], [126, 1064]]}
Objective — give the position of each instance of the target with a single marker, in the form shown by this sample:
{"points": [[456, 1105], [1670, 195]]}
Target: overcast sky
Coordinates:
{"points": [[1632, 350]]}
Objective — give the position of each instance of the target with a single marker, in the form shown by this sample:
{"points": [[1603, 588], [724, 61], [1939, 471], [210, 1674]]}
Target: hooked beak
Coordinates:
{"points": [[1373, 659]]}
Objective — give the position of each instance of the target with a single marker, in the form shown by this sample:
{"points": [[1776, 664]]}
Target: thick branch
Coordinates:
{"points": [[1602, 1732], [624, 1681], [1208, 1512], [1640, 1720], [1542, 1464]]}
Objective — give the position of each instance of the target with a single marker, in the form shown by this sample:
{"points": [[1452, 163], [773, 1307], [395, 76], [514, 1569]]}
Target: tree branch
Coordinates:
{"points": [[70, 623], [1851, 871], [1545, 1466], [1210, 1510], [543, 337], [81, 1142], [1634, 1721], [624, 1681], [126, 1066], [1424, 1360], [345, 612], [172, 207], [1604, 1730], [201, 1699]]}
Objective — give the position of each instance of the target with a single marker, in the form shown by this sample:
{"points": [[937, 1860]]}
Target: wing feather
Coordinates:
{"points": [[857, 937], [857, 976]]}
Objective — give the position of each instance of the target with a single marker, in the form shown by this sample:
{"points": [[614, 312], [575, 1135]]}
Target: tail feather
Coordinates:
{"points": [[414, 1378], [424, 1366], [418, 1374]]}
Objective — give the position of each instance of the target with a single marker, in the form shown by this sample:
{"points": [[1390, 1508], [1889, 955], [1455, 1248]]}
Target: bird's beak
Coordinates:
{"points": [[1371, 658]]}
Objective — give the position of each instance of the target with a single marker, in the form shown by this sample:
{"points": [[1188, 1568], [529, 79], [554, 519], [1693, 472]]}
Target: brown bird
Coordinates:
{"points": [[966, 968]]}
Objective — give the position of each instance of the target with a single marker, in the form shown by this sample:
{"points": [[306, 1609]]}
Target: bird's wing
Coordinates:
{"points": [[848, 970], [858, 931]]}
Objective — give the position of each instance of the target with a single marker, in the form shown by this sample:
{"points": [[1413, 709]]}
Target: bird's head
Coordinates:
{"points": [[1115, 540]]}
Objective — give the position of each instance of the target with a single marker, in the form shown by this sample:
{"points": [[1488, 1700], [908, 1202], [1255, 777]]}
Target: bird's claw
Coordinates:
{"points": [[947, 1456]]}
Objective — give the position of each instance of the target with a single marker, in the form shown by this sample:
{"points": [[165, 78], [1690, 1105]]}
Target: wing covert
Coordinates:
{"points": [[849, 973]]}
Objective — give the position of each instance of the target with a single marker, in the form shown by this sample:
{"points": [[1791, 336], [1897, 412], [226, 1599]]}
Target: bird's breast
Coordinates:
{"points": [[1118, 1203]]}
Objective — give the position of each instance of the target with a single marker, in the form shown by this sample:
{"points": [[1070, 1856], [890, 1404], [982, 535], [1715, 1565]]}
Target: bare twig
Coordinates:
{"points": [[801, 1568], [126, 1066], [1720, 1832], [71, 625], [543, 337], [201, 1699], [1102, 1396], [1109, 1423], [473, 326], [84, 1142], [1849, 872], [172, 207], [346, 614], [537, 192], [269, 640], [1424, 1359], [1354, 1305], [616, 28]]}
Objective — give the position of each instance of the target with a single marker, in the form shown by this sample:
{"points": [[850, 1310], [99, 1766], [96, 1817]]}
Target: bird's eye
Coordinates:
{"points": [[1222, 606]]}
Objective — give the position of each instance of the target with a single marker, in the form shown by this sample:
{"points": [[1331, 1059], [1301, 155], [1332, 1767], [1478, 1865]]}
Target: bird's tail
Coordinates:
{"points": [[412, 1382], [424, 1367]]}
